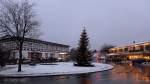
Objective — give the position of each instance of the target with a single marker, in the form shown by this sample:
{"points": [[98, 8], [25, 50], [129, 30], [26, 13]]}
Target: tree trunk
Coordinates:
{"points": [[20, 57]]}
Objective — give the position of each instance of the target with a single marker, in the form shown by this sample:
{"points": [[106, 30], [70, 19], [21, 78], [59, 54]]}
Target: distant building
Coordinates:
{"points": [[131, 52], [36, 49], [98, 57]]}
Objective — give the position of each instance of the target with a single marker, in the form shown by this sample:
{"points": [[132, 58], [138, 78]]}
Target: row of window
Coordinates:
{"points": [[35, 47], [139, 48]]}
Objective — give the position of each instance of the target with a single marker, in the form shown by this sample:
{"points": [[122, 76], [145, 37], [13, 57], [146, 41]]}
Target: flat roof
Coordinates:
{"points": [[33, 40]]}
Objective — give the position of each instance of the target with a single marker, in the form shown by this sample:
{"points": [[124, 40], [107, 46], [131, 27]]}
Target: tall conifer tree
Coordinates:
{"points": [[84, 56]]}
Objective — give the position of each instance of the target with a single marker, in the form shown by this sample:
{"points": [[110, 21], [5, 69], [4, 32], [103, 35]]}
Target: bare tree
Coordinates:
{"points": [[73, 54], [17, 20], [105, 49]]}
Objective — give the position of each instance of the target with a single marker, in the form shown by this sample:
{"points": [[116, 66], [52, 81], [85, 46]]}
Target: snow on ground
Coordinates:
{"points": [[8, 67], [61, 68]]}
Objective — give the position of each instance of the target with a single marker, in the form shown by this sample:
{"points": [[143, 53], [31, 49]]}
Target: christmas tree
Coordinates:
{"points": [[84, 56]]}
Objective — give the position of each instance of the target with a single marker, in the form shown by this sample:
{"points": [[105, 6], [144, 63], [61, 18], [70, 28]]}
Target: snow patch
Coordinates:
{"points": [[62, 68]]}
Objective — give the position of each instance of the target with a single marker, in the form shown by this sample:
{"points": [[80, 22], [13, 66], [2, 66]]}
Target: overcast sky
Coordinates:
{"points": [[116, 22]]}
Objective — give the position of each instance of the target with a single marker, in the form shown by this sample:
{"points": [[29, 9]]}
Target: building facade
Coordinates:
{"points": [[131, 52], [36, 49]]}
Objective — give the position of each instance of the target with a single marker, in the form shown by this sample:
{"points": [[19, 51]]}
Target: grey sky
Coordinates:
{"points": [[107, 21]]}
